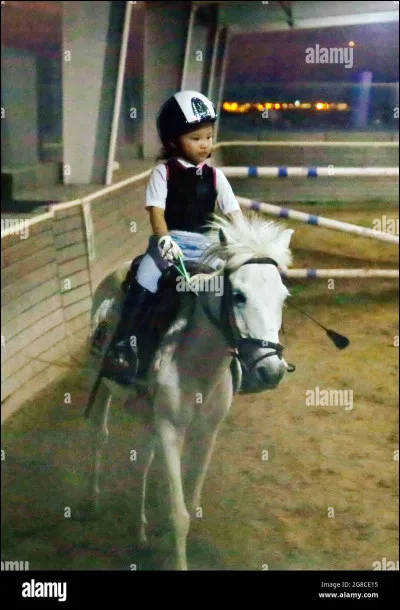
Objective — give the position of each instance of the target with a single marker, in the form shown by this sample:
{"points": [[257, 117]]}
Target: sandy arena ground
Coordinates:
{"points": [[255, 511]]}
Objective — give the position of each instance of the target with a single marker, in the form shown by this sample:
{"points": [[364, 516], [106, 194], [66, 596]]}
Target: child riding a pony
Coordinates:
{"points": [[181, 195]]}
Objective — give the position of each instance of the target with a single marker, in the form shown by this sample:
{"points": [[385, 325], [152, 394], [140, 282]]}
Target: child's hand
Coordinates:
{"points": [[169, 249]]}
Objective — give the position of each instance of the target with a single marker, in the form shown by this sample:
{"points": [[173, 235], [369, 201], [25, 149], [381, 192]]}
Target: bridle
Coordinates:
{"points": [[228, 326]]}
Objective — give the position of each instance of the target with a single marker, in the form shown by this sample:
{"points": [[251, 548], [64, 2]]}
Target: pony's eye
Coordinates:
{"points": [[239, 298]]}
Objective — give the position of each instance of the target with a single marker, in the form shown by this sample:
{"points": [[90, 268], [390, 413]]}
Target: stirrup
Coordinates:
{"points": [[123, 375]]}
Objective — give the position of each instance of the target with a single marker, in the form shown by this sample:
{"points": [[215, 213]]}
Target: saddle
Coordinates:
{"points": [[163, 311], [166, 304]]}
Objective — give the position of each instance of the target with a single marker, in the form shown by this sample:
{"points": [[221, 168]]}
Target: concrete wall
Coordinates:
{"points": [[164, 51], [42, 314], [47, 282], [19, 142], [121, 229], [91, 42]]}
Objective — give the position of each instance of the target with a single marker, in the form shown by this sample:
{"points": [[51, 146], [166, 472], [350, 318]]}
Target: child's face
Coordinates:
{"points": [[197, 144]]}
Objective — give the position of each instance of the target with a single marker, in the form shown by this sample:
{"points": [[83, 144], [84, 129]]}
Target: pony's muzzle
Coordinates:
{"points": [[264, 372], [269, 373]]}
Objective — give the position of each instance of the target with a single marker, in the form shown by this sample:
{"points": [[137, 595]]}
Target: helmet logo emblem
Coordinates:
{"points": [[200, 110]]}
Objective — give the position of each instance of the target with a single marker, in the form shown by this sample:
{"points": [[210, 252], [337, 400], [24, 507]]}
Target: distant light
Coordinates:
{"points": [[241, 108], [351, 43]]}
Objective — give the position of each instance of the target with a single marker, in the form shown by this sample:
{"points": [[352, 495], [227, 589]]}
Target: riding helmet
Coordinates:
{"points": [[182, 113]]}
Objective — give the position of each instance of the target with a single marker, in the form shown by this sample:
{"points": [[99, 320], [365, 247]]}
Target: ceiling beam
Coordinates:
{"points": [[243, 17]]}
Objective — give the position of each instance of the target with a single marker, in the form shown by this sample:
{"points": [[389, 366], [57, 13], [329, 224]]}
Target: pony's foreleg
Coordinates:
{"points": [[145, 455], [202, 442], [143, 520], [199, 461], [99, 437], [172, 439]]}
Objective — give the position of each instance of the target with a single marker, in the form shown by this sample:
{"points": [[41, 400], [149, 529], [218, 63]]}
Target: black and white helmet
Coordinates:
{"points": [[183, 112]]}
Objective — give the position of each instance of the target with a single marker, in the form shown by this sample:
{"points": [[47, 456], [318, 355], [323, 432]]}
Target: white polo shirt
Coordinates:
{"points": [[157, 190]]}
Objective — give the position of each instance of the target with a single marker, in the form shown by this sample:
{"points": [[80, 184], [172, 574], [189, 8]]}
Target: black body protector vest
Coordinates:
{"points": [[191, 196]]}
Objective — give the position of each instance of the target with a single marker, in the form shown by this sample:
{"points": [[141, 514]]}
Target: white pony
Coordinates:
{"points": [[191, 381]]}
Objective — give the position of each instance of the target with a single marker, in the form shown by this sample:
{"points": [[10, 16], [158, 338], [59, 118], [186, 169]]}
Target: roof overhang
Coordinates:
{"points": [[245, 17]]}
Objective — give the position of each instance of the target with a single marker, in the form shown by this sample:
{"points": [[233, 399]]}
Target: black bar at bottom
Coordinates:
{"points": [[234, 589]]}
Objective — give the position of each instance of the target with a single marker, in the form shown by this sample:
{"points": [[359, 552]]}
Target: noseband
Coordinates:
{"points": [[227, 322]]}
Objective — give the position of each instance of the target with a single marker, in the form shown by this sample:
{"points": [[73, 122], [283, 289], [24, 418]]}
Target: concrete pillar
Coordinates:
{"points": [[91, 42], [19, 142], [164, 50], [218, 70], [199, 48], [130, 128]]}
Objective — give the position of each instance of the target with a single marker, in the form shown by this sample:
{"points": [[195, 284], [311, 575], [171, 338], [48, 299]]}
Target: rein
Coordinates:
{"points": [[227, 321]]}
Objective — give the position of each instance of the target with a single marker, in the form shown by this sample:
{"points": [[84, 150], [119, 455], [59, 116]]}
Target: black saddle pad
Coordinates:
{"points": [[160, 315]]}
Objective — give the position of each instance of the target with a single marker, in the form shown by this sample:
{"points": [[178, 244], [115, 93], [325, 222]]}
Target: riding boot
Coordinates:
{"points": [[121, 362]]}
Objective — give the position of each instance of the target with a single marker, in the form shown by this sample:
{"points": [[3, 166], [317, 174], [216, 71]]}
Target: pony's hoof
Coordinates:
{"points": [[171, 564], [139, 537]]}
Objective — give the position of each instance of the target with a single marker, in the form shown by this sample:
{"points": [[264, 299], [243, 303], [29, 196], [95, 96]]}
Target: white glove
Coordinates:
{"points": [[168, 248]]}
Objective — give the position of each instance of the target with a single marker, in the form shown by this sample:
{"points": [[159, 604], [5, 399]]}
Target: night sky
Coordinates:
{"points": [[261, 59]]}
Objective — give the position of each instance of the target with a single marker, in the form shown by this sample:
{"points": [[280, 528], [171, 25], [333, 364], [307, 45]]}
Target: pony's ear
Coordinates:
{"points": [[222, 237], [286, 236]]}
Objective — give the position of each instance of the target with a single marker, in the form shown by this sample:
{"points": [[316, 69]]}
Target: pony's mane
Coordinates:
{"points": [[254, 237]]}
